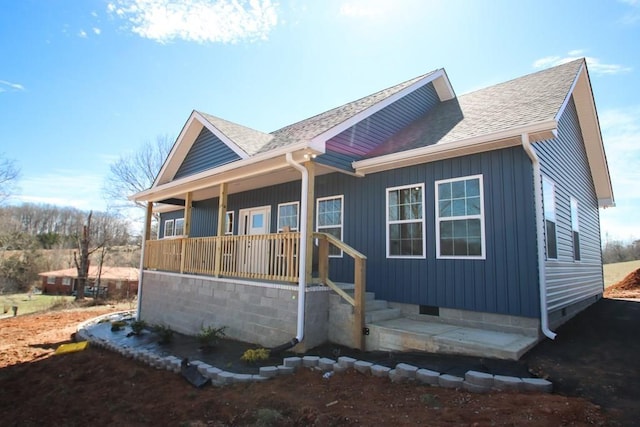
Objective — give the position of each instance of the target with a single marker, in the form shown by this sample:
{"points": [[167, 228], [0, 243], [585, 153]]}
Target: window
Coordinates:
{"points": [[460, 218], [228, 225], [575, 229], [549, 201], [168, 228], [66, 281], [405, 222], [51, 280], [288, 216], [179, 223], [329, 220]]}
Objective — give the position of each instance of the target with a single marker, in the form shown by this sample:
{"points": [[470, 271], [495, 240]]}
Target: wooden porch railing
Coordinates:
{"points": [[263, 256], [359, 279]]}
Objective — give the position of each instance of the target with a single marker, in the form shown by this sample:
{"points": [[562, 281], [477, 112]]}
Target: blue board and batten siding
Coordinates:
{"points": [[207, 152], [357, 141], [505, 282], [564, 161]]}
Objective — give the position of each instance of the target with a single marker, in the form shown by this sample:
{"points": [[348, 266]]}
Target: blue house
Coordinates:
{"points": [[410, 219]]}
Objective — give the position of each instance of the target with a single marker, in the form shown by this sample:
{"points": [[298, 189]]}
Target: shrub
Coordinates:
{"points": [[254, 355], [164, 332], [209, 336], [266, 417], [137, 326], [118, 325]]}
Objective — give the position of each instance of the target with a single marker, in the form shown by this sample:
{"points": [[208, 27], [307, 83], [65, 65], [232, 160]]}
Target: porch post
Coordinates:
{"points": [[147, 223], [143, 254], [311, 203], [187, 229], [222, 217]]}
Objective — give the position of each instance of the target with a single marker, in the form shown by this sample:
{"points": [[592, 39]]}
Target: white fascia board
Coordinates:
{"points": [[592, 137], [226, 173], [178, 147], [224, 138], [341, 127], [487, 142]]}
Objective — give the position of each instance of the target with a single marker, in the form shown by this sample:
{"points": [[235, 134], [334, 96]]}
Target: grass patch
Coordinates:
{"points": [[37, 302], [613, 273]]}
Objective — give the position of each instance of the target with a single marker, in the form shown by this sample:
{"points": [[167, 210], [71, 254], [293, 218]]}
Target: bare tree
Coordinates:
{"points": [[9, 174], [135, 172]]}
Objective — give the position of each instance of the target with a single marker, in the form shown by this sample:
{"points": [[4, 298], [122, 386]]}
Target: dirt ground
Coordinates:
{"points": [[593, 364]]}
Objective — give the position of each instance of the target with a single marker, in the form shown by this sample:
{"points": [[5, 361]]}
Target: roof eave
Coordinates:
{"points": [[481, 143]]}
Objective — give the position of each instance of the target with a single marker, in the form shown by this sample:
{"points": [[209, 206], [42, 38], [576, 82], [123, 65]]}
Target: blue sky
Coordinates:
{"points": [[83, 82]]}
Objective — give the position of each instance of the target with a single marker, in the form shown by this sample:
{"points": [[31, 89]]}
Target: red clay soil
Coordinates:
{"points": [[629, 287], [97, 387]]}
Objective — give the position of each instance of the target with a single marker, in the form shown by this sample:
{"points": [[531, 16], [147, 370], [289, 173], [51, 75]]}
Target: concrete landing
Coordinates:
{"points": [[404, 334]]}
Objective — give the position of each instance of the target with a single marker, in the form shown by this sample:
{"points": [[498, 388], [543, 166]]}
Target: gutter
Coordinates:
{"points": [[302, 254], [537, 184]]}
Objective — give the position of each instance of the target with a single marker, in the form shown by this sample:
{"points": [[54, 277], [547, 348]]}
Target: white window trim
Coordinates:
{"points": [[228, 231], [297, 204], [66, 281], [51, 280], [483, 249], [173, 228], [388, 223], [555, 215], [319, 229]]}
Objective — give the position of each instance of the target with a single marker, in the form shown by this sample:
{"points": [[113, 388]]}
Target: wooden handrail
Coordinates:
{"points": [[359, 280]]}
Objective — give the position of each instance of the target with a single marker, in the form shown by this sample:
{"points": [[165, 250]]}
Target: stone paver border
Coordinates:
{"points": [[473, 381]]}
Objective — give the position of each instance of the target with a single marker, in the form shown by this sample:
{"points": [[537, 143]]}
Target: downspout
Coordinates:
{"points": [[537, 185], [140, 272], [302, 254]]}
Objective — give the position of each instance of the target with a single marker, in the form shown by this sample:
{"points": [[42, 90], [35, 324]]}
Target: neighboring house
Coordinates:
{"points": [[115, 282], [479, 210]]}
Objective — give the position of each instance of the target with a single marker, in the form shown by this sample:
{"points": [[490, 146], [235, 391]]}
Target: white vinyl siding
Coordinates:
{"points": [[460, 218], [405, 222]]}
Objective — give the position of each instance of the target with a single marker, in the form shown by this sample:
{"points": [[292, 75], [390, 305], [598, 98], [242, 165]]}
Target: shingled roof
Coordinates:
{"points": [[519, 102], [248, 139]]}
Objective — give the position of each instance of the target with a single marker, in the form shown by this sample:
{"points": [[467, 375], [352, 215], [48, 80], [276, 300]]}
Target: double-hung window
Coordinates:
{"points": [[405, 222], [288, 216], [179, 231], [575, 229], [460, 218], [228, 224], [329, 219], [168, 228], [549, 201]]}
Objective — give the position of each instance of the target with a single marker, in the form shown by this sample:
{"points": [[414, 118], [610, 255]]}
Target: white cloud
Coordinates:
{"points": [[202, 21], [621, 134], [632, 16], [594, 64], [362, 9], [6, 86], [83, 34], [65, 188], [96, 31]]}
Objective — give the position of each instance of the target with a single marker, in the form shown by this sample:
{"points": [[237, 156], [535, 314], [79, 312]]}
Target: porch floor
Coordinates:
{"points": [[403, 334]]}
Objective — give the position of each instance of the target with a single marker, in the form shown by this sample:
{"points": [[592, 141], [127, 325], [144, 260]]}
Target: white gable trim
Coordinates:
{"points": [[441, 84], [592, 136], [185, 141]]}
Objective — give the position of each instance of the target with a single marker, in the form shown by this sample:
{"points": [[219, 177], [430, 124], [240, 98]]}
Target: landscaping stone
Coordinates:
{"points": [[475, 388], [258, 378], [479, 378], [346, 361], [225, 377], [212, 372], [537, 384], [292, 362], [326, 364], [406, 370], [285, 370], [395, 377], [338, 368], [269, 371], [427, 376], [202, 368], [504, 383], [450, 381], [242, 378], [362, 366], [310, 361], [380, 371]]}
